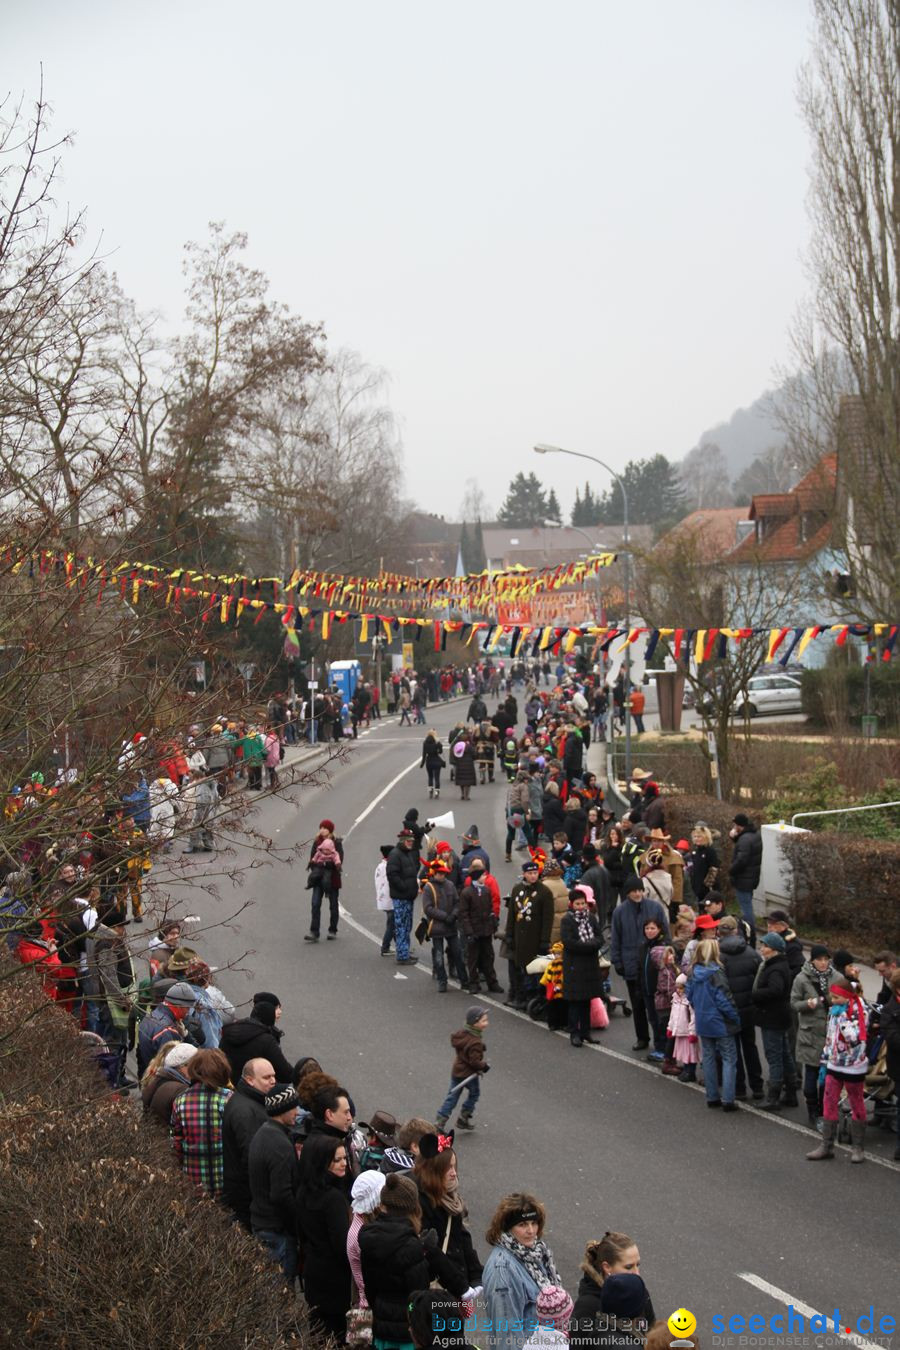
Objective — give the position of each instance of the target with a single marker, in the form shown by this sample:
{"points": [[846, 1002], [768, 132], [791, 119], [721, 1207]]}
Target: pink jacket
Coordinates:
{"points": [[326, 854], [681, 1018], [273, 751]]}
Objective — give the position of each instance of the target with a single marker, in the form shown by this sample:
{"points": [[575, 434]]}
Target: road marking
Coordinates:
{"points": [[782, 1296], [383, 793]]}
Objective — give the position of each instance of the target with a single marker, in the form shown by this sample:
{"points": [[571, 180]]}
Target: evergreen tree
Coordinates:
{"points": [[525, 504], [575, 516], [586, 510], [479, 557], [553, 511], [655, 496], [465, 548]]}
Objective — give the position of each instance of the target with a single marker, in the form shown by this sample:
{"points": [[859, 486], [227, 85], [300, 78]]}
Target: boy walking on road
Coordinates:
{"points": [[468, 1066]]}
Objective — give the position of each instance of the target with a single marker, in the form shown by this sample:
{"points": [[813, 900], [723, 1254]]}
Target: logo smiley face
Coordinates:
{"points": [[682, 1323]]}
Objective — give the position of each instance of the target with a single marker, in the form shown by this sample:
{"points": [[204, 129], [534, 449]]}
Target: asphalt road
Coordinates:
{"points": [[597, 1134]]}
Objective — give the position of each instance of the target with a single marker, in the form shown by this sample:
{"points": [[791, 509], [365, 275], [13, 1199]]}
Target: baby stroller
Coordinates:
{"points": [[537, 1004], [881, 1103]]}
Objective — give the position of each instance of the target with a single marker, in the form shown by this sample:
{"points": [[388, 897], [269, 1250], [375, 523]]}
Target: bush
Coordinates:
{"points": [[847, 885], [835, 695], [821, 789], [104, 1242]]}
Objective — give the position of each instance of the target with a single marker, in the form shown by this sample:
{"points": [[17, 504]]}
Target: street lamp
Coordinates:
{"points": [[578, 454]]}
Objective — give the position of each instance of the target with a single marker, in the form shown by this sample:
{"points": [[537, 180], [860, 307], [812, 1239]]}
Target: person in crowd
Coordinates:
{"points": [[741, 963], [256, 1037], [657, 882], [772, 1001], [885, 964], [528, 927], [718, 1021], [778, 922], [165, 1078], [365, 1198], [443, 1210], [810, 1002], [627, 938], [464, 771], [552, 878], [746, 865], [472, 848], [245, 1112], [582, 938], [553, 811], [403, 883], [613, 1255], [660, 973], [403, 1157], [611, 857], [432, 762], [166, 1023], [683, 1031], [197, 1121], [595, 875], [381, 1134], [113, 982], [323, 1221], [326, 860], [383, 901], [890, 1030], [396, 1262], [205, 800], [519, 1266], [846, 1065], [212, 1010], [477, 924], [702, 862], [553, 1313], [469, 1065], [437, 1321], [440, 906], [273, 1175], [517, 805], [714, 908]]}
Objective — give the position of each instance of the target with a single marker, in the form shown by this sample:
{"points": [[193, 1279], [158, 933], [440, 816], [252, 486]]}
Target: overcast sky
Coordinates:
{"points": [[579, 222]]}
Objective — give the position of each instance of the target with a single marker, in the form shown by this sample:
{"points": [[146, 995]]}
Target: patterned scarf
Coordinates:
{"points": [[537, 1260], [585, 927]]}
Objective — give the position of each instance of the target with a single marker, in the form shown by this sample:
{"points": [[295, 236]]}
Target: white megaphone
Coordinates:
{"points": [[445, 822]]}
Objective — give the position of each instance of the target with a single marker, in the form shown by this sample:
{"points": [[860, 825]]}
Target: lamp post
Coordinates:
{"points": [[578, 454]]}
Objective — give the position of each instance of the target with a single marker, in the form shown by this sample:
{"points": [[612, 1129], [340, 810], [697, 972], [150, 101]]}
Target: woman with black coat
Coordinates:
{"points": [[554, 813], [443, 1210], [582, 938], [613, 1254], [395, 1260], [702, 863], [611, 854], [323, 1220], [432, 762]]}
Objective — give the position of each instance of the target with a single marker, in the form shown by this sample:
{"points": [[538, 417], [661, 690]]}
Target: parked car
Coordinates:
{"points": [[769, 694]]}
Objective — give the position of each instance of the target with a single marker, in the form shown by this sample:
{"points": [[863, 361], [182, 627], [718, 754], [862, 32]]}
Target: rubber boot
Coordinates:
{"points": [[825, 1147], [464, 1121], [857, 1139]]}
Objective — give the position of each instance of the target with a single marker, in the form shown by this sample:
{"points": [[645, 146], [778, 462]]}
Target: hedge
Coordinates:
{"points": [[103, 1242], [837, 694]]}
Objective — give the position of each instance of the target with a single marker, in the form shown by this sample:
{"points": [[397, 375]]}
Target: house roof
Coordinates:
{"points": [[550, 545], [712, 529], [800, 520]]}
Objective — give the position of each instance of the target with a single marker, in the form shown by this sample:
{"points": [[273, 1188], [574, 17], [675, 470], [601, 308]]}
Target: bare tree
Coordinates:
{"points": [[703, 475], [850, 340], [474, 504]]}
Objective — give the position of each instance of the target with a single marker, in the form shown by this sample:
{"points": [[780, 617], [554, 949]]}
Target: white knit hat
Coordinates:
{"points": [[365, 1194]]}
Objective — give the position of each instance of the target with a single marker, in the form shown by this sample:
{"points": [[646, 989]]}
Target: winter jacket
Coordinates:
{"points": [[701, 859], [394, 1266], [470, 1052], [460, 1258], [590, 1319], [845, 1043], [510, 1296], [403, 873], [746, 859], [793, 952], [890, 1030], [682, 1021], [598, 879], [812, 1022], [535, 797], [553, 815], [272, 1174], [440, 905], [740, 964], [323, 1219], [710, 997], [248, 1039], [160, 1091], [653, 813], [628, 933], [468, 856], [245, 1112], [529, 922], [518, 798], [658, 886], [432, 756], [476, 910], [575, 824], [157, 1029], [772, 994], [560, 892], [582, 977], [573, 758], [665, 982], [649, 968], [612, 862], [464, 774]]}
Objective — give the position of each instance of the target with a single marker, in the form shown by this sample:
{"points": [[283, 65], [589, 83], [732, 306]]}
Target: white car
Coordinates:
{"points": [[770, 694]]}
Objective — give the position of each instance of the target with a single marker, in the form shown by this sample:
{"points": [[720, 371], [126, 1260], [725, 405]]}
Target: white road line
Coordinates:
{"points": [[383, 793], [782, 1296]]}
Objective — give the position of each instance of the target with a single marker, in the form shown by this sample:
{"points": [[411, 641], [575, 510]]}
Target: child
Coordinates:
{"points": [[468, 1043], [383, 900], [664, 958], [683, 1028], [845, 1063], [552, 981]]}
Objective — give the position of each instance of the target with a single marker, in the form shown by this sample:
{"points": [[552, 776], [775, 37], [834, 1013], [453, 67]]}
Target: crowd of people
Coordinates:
{"points": [[368, 1215]]}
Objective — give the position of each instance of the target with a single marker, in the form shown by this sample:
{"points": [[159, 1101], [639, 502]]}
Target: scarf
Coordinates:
{"points": [[585, 927], [537, 1260], [451, 1200]]}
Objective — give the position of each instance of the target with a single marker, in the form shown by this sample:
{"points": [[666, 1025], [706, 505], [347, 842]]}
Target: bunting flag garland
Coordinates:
{"points": [[230, 597]]}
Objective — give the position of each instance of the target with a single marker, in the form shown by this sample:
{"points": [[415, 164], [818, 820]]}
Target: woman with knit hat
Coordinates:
{"points": [[846, 1065], [326, 859], [810, 1001], [582, 938], [520, 1265]]}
